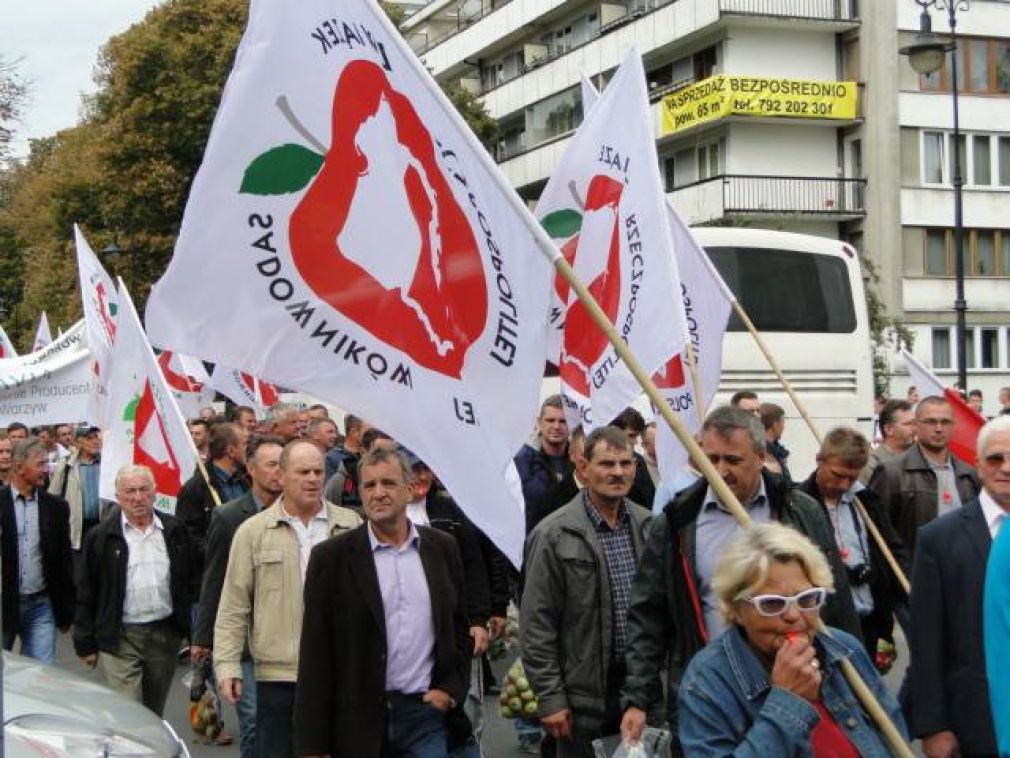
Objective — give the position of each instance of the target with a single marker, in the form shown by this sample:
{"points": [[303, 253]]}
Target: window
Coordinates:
{"points": [[983, 68], [669, 173], [981, 160], [557, 115], [941, 348], [932, 157], [820, 298], [988, 348], [986, 252], [969, 349], [936, 252]]}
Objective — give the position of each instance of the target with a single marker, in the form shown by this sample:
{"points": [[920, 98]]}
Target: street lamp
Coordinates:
{"points": [[926, 55], [115, 249]]}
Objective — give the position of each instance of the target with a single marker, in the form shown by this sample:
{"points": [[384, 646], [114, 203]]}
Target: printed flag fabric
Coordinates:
{"points": [[604, 207], [967, 421], [43, 336], [346, 237], [708, 303], [6, 346], [143, 425], [244, 389], [996, 633], [188, 380], [101, 303]]}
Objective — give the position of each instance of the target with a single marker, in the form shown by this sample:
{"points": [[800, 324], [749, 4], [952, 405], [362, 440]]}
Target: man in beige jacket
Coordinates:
{"points": [[261, 599]]}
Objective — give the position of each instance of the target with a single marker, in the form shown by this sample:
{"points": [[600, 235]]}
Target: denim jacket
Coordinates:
{"points": [[729, 707]]}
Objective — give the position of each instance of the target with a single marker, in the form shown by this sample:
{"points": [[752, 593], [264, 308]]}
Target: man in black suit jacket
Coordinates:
{"points": [[37, 567], [383, 672], [947, 700]]}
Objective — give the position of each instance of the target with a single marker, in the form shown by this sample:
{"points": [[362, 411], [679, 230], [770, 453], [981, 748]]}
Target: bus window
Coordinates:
{"points": [[787, 291]]}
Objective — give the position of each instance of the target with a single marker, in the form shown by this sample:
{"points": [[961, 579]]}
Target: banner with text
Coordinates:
{"points": [[49, 386], [723, 95]]}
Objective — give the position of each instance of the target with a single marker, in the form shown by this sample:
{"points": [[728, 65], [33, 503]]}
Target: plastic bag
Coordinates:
{"points": [[655, 743]]}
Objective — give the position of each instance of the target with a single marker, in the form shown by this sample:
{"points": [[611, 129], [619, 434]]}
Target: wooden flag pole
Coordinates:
{"points": [[721, 489], [692, 365], [206, 477], [871, 527]]}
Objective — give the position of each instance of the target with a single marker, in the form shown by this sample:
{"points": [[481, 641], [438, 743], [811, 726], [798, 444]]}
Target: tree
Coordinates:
{"points": [[13, 91]]}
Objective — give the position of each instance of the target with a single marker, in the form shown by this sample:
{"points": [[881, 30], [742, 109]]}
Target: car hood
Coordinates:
{"points": [[32, 688]]}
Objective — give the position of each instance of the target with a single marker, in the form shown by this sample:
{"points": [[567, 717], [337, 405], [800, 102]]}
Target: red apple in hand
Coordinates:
{"points": [[444, 308]]}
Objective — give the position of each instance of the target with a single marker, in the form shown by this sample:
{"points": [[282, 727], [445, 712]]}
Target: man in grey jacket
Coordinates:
{"points": [[580, 564]]}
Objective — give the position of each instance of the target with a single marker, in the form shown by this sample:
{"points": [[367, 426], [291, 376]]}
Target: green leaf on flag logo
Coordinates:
{"points": [[281, 170], [562, 224], [130, 411]]}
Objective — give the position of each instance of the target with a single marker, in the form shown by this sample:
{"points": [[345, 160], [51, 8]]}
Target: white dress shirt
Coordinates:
{"points": [[995, 516], [148, 574]]}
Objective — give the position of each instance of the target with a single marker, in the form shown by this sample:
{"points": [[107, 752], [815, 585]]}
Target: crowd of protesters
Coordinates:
{"points": [[322, 580]]}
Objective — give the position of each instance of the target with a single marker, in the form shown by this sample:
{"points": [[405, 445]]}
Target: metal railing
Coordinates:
{"points": [[822, 10], [789, 195]]}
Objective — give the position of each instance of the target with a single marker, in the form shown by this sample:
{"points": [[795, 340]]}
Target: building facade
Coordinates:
{"points": [[797, 115]]}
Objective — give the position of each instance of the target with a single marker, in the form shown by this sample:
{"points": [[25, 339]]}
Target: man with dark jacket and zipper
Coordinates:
{"points": [[672, 612], [134, 590], [579, 567], [835, 486], [543, 463]]}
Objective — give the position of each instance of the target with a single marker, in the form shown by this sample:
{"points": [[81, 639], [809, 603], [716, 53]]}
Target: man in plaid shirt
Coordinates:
{"points": [[580, 562]]}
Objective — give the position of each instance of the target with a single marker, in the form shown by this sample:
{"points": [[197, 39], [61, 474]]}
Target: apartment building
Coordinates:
{"points": [[785, 114]]}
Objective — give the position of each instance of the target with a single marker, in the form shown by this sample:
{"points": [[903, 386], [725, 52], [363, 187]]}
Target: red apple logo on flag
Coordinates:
{"points": [[434, 306], [151, 446], [261, 392], [596, 251], [180, 382], [670, 376], [106, 311]]}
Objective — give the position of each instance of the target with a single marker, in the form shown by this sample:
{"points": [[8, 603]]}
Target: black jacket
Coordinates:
{"points": [[665, 622], [224, 521], [101, 583], [948, 687], [194, 506], [884, 586], [445, 515], [538, 478], [340, 701], [57, 563]]}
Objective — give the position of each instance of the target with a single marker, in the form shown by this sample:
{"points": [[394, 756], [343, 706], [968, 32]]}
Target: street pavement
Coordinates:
{"points": [[499, 736]]}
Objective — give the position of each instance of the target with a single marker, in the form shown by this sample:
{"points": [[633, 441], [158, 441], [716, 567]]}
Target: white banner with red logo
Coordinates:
{"points": [[43, 336], [967, 421], [50, 386], [346, 237], [707, 306], [188, 380], [604, 207], [101, 302], [244, 389], [7, 349], [143, 425]]}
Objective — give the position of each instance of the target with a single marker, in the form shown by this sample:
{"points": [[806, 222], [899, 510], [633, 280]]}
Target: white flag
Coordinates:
{"points": [[348, 238], [604, 206], [707, 306], [244, 389], [6, 346], [43, 336], [144, 425], [188, 380], [101, 303]]}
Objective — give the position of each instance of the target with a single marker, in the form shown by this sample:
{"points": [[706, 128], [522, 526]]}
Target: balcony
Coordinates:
{"points": [[763, 197]]}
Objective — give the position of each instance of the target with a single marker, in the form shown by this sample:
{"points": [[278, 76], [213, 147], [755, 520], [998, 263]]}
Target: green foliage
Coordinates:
{"points": [[887, 334], [13, 91], [474, 113]]}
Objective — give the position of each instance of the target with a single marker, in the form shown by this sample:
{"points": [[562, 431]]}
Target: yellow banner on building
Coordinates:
{"points": [[725, 95]]}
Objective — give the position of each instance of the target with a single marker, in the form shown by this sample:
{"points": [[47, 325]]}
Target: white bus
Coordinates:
{"points": [[805, 296]]}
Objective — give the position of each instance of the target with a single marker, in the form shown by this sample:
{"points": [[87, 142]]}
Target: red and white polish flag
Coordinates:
{"points": [[244, 389], [967, 421], [347, 237], [188, 380], [143, 423], [604, 207]]}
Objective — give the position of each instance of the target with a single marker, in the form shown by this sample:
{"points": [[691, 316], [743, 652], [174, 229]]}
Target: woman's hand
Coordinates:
{"points": [[797, 669]]}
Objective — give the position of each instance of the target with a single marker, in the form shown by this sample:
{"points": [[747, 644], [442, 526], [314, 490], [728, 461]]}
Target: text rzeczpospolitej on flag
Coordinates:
{"points": [[604, 207], [343, 238]]}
